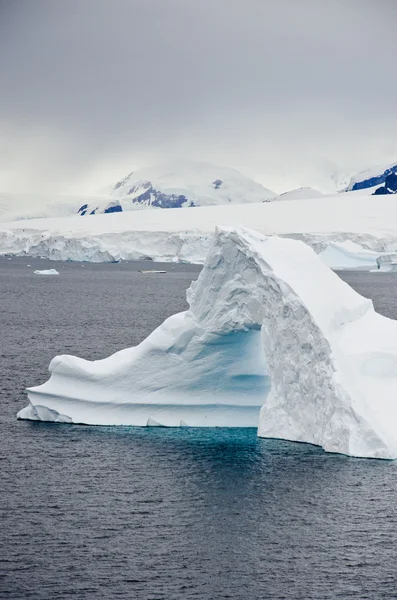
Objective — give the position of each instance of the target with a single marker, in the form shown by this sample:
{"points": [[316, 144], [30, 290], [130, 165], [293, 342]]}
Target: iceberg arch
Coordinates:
{"points": [[263, 309]]}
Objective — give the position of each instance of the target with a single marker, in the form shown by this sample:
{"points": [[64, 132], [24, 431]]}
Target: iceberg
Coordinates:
{"points": [[386, 263], [46, 272], [272, 337], [348, 255]]}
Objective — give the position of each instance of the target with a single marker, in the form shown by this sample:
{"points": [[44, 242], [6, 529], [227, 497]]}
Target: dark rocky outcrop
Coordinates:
{"points": [[390, 186]]}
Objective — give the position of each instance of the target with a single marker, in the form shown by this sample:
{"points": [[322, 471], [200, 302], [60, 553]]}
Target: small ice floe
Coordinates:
{"points": [[47, 272], [150, 271]]}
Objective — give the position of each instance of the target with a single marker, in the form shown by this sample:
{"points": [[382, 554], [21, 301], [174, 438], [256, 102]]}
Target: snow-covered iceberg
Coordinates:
{"points": [[46, 272], [264, 309], [386, 263], [348, 255]]}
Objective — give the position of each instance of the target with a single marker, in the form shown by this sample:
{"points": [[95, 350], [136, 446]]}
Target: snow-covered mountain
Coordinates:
{"points": [[380, 176], [169, 185], [180, 184]]}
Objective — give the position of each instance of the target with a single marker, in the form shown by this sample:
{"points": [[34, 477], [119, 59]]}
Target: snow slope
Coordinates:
{"points": [[35, 206], [302, 193], [185, 234], [261, 308]]}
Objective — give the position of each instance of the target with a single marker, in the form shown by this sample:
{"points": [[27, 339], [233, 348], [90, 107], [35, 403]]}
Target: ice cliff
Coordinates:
{"points": [[185, 234], [264, 309]]}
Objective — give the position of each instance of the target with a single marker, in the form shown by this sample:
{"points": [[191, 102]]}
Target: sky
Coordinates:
{"points": [[290, 92]]}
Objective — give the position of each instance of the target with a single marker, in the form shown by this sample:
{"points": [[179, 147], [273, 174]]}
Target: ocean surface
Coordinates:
{"points": [[126, 513]]}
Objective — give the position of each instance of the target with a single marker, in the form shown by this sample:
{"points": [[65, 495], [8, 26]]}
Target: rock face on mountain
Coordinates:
{"points": [[390, 186]]}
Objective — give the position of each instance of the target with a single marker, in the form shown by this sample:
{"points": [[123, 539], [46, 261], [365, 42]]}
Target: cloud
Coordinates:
{"points": [[90, 87]]}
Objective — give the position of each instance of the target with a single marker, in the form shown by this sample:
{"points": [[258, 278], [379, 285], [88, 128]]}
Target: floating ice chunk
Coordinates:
{"points": [[42, 413], [152, 423], [262, 307], [386, 263], [47, 272]]}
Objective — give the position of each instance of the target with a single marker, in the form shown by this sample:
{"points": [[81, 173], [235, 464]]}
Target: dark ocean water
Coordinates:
{"points": [[150, 514]]}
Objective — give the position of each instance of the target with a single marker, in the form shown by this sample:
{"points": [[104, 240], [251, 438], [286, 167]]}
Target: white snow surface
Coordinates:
{"points": [[302, 193], [46, 272], [264, 309], [184, 234]]}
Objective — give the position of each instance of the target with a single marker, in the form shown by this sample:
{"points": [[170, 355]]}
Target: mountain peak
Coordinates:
{"points": [[187, 183]]}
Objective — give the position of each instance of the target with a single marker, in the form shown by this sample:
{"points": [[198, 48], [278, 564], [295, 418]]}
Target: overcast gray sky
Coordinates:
{"points": [[284, 90]]}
